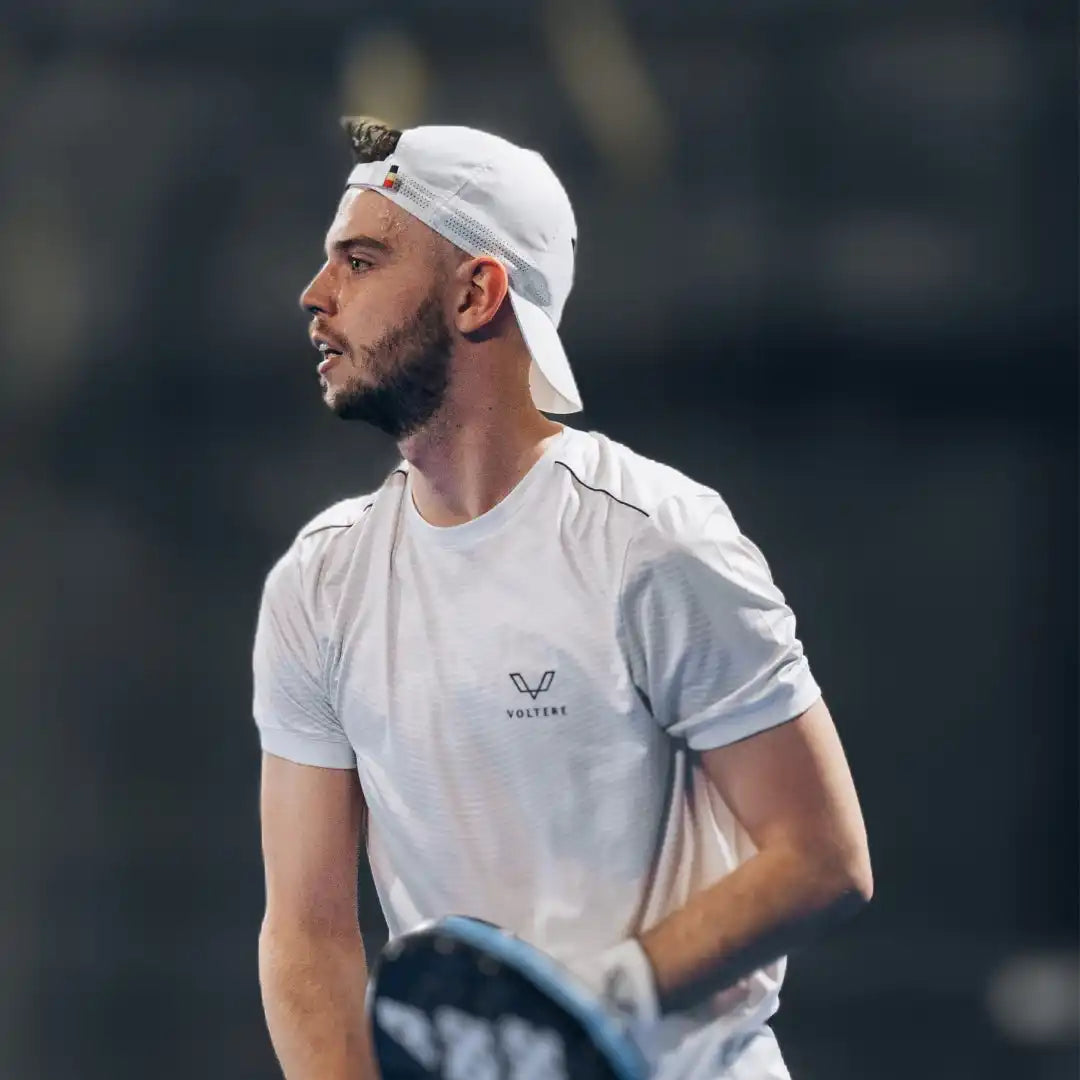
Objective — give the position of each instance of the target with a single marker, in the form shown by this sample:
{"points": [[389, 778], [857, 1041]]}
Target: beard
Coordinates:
{"points": [[413, 360]]}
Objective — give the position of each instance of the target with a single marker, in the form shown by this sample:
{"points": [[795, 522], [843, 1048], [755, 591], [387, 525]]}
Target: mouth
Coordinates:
{"points": [[328, 352]]}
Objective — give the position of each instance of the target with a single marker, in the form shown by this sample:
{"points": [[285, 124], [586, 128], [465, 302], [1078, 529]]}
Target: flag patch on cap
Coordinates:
{"points": [[392, 180]]}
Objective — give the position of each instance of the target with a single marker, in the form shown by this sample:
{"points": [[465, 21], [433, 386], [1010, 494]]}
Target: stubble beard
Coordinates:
{"points": [[414, 362]]}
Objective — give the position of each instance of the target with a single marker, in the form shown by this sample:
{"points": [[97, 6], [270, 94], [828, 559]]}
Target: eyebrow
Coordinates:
{"points": [[369, 242]]}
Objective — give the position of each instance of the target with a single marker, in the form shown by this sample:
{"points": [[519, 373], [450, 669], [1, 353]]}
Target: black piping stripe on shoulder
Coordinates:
{"points": [[601, 491], [350, 524], [347, 525]]}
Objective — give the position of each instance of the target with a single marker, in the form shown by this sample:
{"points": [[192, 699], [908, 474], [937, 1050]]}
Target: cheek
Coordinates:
{"points": [[372, 307], [367, 310]]}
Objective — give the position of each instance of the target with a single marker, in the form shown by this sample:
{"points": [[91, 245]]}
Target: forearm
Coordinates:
{"points": [[313, 994], [776, 901]]}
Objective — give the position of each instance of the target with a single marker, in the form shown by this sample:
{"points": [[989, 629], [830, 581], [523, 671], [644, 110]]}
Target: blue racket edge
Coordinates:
{"points": [[547, 976]]}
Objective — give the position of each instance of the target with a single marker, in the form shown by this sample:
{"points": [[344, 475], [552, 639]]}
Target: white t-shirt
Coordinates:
{"points": [[523, 697]]}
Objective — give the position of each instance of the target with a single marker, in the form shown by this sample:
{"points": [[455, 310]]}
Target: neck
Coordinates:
{"points": [[467, 461]]}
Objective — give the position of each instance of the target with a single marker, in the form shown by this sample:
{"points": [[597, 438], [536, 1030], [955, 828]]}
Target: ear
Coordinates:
{"points": [[484, 287]]}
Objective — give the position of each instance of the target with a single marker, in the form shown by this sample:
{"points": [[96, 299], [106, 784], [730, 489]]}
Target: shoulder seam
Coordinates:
{"points": [[602, 491], [347, 525], [363, 510]]}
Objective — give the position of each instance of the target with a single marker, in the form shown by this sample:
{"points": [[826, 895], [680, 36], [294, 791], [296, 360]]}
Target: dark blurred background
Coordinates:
{"points": [[827, 264]]}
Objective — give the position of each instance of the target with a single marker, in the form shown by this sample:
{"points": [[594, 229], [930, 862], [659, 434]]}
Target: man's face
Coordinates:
{"points": [[378, 316]]}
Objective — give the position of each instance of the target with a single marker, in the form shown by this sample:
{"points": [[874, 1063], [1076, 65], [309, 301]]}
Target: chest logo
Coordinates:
{"points": [[533, 691]]}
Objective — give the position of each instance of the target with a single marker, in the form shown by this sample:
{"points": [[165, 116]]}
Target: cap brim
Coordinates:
{"points": [[550, 378]]}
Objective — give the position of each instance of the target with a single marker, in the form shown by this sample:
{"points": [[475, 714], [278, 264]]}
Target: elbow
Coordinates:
{"points": [[861, 873], [865, 882], [853, 883], [840, 879], [294, 960], [308, 933]]}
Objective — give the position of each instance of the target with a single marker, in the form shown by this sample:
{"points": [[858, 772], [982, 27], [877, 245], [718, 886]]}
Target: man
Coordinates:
{"points": [[547, 680]]}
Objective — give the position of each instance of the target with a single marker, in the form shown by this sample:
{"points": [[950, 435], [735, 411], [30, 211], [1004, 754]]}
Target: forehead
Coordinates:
{"points": [[363, 212]]}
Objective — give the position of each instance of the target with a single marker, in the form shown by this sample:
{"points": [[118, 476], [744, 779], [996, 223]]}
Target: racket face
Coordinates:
{"points": [[455, 1009]]}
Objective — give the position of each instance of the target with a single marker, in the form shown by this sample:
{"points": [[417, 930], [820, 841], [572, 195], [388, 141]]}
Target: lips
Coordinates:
{"points": [[329, 347], [330, 357]]}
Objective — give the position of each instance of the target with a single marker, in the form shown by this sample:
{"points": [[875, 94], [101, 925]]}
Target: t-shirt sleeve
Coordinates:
{"points": [[710, 641], [291, 706]]}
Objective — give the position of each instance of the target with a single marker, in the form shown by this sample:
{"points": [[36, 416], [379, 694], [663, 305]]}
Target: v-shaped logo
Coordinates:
{"points": [[534, 692]]}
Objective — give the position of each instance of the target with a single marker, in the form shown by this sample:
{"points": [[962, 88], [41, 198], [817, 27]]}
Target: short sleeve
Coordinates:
{"points": [[292, 710], [709, 639]]}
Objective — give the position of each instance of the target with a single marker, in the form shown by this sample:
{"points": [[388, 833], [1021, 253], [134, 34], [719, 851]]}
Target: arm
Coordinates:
{"points": [[791, 789], [312, 968]]}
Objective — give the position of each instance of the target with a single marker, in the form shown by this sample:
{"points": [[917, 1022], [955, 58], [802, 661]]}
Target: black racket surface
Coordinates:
{"points": [[464, 1000]]}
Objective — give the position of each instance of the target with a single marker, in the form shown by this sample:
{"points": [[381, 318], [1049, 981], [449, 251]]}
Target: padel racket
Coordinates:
{"points": [[461, 999]]}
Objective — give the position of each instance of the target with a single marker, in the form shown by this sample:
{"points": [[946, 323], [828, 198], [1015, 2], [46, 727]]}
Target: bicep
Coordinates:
{"points": [[791, 785], [312, 819]]}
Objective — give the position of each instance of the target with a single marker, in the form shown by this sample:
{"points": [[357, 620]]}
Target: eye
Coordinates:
{"points": [[356, 263]]}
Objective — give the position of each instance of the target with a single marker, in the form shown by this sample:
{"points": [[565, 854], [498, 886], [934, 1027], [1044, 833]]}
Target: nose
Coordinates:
{"points": [[318, 296]]}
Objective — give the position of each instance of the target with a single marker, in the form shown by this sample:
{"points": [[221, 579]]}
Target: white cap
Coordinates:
{"points": [[490, 197]]}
